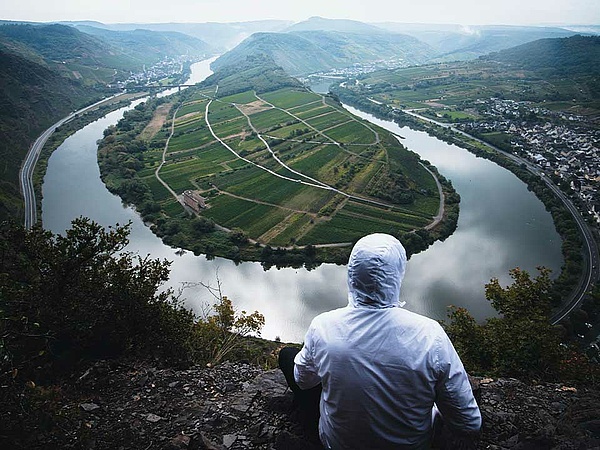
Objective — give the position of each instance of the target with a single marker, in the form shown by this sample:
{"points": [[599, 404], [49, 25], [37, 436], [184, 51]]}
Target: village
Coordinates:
{"points": [[561, 144], [164, 69]]}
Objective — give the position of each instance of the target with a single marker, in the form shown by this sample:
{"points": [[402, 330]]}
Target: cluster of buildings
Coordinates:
{"points": [[358, 69], [167, 67], [560, 143]]}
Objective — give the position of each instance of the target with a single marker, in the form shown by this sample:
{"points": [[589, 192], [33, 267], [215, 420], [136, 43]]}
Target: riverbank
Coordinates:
{"points": [[81, 119], [573, 268], [498, 217], [288, 219]]}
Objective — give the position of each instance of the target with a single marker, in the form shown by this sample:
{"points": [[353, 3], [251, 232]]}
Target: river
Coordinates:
{"points": [[501, 226]]}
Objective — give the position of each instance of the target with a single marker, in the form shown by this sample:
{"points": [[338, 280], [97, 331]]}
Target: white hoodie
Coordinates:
{"points": [[382, 367]]}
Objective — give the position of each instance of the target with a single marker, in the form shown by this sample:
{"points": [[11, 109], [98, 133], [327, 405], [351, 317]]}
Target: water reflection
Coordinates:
{"points": [[501, 225]]}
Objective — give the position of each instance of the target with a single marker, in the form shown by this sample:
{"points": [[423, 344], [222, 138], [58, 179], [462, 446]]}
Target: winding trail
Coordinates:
{"points": [[440, 215], [164, 154]]}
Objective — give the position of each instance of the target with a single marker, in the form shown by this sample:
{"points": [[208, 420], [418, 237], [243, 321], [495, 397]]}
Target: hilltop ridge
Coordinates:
{"points": [[306, 51]]}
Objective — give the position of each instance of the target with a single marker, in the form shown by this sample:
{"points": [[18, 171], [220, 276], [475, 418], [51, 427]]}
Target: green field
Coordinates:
{"points": [[290, 98], [281, 205], [452, 91]]}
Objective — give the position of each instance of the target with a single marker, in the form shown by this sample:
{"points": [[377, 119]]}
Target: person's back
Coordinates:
{"points": [[382, 367]]}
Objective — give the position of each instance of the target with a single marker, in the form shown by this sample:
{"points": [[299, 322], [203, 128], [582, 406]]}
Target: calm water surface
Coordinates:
{"points": [[502, 225]]}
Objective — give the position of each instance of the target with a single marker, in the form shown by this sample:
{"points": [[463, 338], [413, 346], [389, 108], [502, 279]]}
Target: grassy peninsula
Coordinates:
{"points": [[285, 176]]}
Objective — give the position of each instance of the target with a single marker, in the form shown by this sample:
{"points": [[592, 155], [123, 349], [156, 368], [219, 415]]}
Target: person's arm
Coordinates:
{"points": [[455, 398], [305, 371]]}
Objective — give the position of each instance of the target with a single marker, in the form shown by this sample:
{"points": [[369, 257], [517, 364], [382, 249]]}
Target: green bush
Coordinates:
{"points": [[79, 296], [521, 342]]}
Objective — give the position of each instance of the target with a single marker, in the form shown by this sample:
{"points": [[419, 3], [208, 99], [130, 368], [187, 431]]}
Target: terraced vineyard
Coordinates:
{"points": [[270, 171], [290, 167]]}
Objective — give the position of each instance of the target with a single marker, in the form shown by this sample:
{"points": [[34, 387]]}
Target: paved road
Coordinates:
{"points": [[28, 167], [591, 258]]}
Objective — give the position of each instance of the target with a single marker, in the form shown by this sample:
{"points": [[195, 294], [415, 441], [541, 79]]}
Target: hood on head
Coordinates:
{"points": [[375, 272]]}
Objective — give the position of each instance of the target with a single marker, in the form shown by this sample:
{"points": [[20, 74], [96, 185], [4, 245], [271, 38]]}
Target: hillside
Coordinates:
{"points": [[257, 73], [578, 55], [73, 54], [293, 53], [304, 52], [241, 406], [55, 43], [148, 47], [96, 56], [32, 97]]}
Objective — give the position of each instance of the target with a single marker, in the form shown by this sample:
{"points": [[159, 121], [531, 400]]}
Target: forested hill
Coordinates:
{"points": [[147, 46], [306, 52], [53, 42], [32, 97], [68, 48], [574, 55], [256, 72]]}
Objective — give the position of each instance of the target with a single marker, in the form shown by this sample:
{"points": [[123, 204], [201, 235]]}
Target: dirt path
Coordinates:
{"points": [[157, 171], [440, 215]]}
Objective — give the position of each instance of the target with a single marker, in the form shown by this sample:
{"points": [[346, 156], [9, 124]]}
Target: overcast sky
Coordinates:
{"points": [[466, 12]]}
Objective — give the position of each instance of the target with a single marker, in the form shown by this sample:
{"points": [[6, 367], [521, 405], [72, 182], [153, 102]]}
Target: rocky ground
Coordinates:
{"points": [[117, 405]]}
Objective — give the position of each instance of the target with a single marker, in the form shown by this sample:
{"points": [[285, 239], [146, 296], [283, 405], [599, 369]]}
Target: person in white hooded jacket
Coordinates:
{"points": [[382, 368]]}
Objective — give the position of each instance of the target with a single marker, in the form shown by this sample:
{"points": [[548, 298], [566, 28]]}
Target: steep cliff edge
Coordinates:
{"points": [[129, 405]]}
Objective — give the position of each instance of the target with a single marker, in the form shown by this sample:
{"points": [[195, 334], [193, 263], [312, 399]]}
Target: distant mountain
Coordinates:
{"points": [[306, 52], [293, 53], [32, 97], [578, 55], [149, 46], [457, 42], [55, 42], [221, 36], [340, 25], [593, 30], [96, 55]]}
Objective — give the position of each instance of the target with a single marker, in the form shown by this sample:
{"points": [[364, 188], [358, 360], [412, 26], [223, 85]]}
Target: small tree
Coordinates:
{"points": [[521, 342], [222, 331], [468, 338]]}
